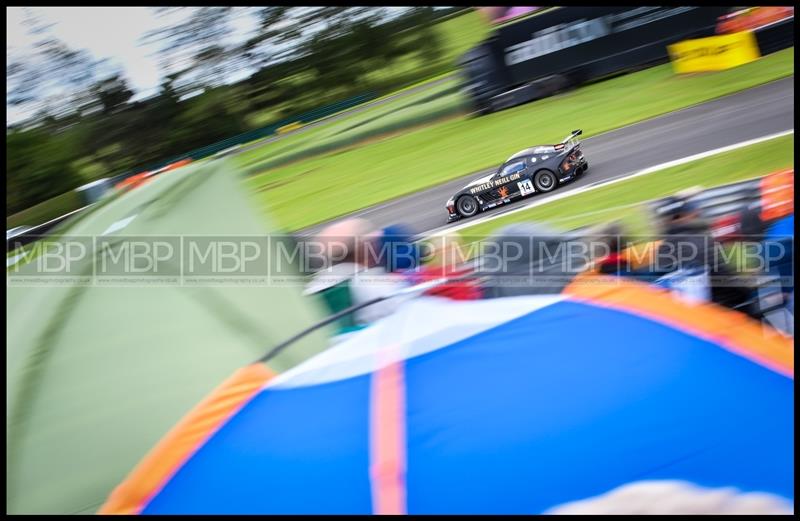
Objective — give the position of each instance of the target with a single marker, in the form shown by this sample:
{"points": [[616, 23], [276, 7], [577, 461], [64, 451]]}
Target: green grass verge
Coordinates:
{"points": [[622, 201], [46, 210], [415, 85], [307, 192], [357, 130], [327, 132]]}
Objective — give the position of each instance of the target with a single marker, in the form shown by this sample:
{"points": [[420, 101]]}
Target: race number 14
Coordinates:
{"points": [[525, 187]]}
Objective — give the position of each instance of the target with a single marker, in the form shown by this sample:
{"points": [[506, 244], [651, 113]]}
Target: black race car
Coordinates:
{"points": [[533, 170]]}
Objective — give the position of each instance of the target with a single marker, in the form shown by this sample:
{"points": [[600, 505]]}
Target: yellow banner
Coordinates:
{"points": [[714, 53], [288, 128]]}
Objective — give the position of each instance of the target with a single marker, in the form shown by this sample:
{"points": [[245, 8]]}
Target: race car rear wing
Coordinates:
{"points": [[575, 133], [570, 141]]}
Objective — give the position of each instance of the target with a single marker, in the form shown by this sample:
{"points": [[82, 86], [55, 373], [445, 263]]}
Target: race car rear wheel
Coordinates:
{"points": [[545, 180], [467, 206]]}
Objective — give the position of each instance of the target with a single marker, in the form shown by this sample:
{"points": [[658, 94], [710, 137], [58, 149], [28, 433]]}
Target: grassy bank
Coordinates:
{"points": [[347, 130], [374, 123]]}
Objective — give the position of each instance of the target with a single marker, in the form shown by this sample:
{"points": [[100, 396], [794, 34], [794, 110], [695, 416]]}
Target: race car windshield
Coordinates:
{"points": [[512, 168]]}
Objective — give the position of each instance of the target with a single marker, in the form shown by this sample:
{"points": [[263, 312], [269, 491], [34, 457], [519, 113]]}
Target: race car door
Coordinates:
{"points": [[513, 180]]}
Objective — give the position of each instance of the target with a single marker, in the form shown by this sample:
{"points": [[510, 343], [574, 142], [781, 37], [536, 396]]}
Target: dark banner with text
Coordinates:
{"points": [[594, 41]]}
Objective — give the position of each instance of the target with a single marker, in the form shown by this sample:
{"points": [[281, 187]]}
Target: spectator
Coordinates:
{"points": [[531, 259], [686, 236], [686, 252], [373, 280], [400, 252], [615, 262], [446, 262], [352, 275]]}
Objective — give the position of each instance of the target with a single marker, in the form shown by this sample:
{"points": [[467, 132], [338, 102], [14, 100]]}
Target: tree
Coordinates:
{"points": [[275, 28], [195, 49], [112, 93], [369, 43], [38, 166], [428, 41], [51, 79], [204, 120], [332, 60]]}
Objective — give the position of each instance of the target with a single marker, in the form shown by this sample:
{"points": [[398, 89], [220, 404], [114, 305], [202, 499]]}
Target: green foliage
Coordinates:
{"points": [[112, 93], [39, 167]]}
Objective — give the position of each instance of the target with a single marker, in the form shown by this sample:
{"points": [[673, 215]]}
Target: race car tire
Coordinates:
{"points": [[545, 181], [586, 167], [467, 206]]}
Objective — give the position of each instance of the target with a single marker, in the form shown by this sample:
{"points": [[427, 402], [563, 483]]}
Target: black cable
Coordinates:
{"points": [[336, 316]]}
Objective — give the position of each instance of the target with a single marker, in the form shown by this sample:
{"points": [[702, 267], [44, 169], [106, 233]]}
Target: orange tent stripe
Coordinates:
{"points": [[388, 441], [169, 455], [730, 329]]}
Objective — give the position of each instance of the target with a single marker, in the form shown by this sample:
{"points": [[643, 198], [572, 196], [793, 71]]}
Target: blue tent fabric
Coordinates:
{"points": [[784, 227], [581, 418], [507, 406], [264, 472], [779, 251]]}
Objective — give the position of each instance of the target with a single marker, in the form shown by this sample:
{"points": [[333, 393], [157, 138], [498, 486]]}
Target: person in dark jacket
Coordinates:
{"points": [[531, 259], [690, 249], [687, 241], [615, 262]]}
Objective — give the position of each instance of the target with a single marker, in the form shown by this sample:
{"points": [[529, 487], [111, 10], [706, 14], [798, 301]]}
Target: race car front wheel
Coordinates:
{"points": [[545, 180], [467, 206]]}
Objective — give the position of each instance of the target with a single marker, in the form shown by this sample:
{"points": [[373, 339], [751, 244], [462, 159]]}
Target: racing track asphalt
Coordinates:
{"points": [[756, 112]]}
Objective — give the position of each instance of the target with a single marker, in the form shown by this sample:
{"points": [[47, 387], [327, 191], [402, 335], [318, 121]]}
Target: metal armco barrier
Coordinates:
{"points": [[32, 234]]}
